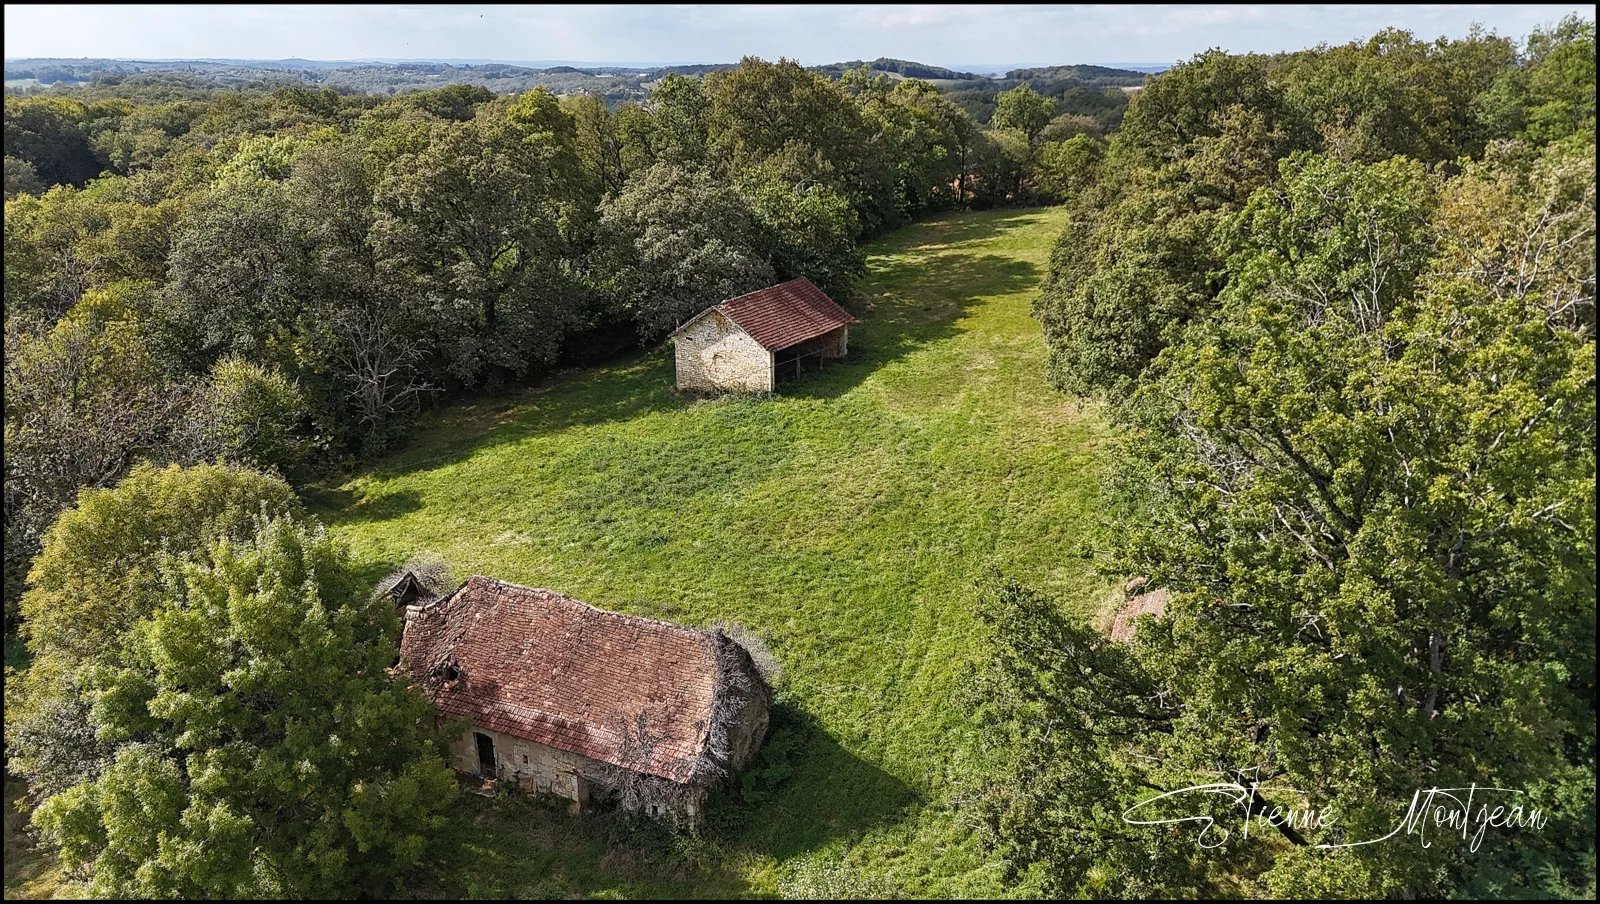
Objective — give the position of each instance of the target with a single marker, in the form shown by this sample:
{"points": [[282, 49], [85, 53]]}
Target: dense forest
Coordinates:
{"points": [[1340, 303]]}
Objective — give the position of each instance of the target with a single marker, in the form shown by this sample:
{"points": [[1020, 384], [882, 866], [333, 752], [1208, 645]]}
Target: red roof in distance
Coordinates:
{"points": [[785, 314]]}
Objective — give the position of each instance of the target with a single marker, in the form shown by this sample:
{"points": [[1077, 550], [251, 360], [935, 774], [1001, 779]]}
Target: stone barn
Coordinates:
{"points": [[746, 343], [590, 705]]}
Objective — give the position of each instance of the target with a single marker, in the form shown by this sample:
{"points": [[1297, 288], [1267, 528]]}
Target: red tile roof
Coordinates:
{"points": [[633, 692], [785, 314]]}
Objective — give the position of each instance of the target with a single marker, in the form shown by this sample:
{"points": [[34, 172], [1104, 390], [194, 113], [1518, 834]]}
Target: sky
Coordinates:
{"points": [[812, 34]]}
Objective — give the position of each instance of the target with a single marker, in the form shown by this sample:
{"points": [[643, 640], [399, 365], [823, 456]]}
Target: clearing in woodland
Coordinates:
{"points": [[846, 520]]}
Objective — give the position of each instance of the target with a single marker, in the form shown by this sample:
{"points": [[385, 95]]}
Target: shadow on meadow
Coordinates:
{"points": [[806, 791], [915, 302], [355, 508], [917, 288]]}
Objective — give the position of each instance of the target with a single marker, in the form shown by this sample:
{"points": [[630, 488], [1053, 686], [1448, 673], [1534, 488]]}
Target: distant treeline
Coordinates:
{"points": [[1090, 91]]}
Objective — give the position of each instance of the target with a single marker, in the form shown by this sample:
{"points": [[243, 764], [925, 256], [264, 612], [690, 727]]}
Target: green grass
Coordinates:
{"points": [[846, 520], [31, 871]]}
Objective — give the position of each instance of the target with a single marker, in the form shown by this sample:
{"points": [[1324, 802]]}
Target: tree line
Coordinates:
{"points": [[1094, 96], [1340, 304]]}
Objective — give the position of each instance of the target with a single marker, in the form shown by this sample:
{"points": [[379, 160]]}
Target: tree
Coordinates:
{"points": [[142, 135], [361, 354], [1393, 94], [805, 227], [239, 270], [1187, 103], [456, 103], [926, 137], [48, 132], [1004, 161], [1023, 109], [247, 413], [679, 110], [1071, 125], [21, 178], [1551, 94], [83, 402], [678, 242], [472, 229], [598, 146], [1131, 270], [1059, 703], [1368, 480], [1068, 167], [96, 575], [377, 367], [761, 110], [264, 749], [47, 270]]}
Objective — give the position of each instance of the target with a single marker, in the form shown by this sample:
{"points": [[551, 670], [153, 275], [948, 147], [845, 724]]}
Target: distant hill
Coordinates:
{"points": [[907, 68], [613, 83], [1096, 92], [1100, 76]]}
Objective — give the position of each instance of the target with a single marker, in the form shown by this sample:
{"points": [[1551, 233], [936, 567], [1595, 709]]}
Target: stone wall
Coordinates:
{"points": [[712, 353], [538, 768]]}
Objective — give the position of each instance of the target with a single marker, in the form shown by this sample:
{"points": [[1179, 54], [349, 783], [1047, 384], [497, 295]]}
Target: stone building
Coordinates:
{"points": [[590, 705], [746, 343]]}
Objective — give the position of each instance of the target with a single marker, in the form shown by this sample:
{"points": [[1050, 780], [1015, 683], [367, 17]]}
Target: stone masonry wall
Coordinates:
{"points": [[714, 354], [535, 767]]}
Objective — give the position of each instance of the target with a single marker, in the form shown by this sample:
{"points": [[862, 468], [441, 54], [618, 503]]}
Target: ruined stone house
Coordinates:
{"points": [[593, 706], [746, 343]]}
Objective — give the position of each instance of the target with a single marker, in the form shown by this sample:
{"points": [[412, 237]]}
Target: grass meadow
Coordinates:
{"points": [[846, 520]]}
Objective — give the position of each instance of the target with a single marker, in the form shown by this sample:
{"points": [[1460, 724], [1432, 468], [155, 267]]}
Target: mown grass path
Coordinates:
{"points": [[845, 520]]}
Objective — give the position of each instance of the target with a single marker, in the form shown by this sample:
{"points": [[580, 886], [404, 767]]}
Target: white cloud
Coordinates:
{"points": [[941, 35]]}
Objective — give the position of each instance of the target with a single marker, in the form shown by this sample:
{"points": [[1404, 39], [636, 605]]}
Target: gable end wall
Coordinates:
{"points": [[714, 354]]}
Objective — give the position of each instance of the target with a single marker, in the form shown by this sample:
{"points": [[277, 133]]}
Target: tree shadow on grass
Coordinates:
{"points": [[922, 280], [519, 846], [355, 508], [917, 293], [805, 791], [563, 400]]}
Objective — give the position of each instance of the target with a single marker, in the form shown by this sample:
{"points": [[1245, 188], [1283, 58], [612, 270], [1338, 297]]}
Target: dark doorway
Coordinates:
{"points": [[485, 753]]}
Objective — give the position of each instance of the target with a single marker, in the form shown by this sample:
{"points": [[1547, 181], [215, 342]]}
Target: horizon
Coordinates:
{"points": [[623, 35], [974, 68]]}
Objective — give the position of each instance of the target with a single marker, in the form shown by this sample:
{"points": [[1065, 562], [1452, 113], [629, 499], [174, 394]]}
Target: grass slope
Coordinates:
{"points": [[845, 520]]}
